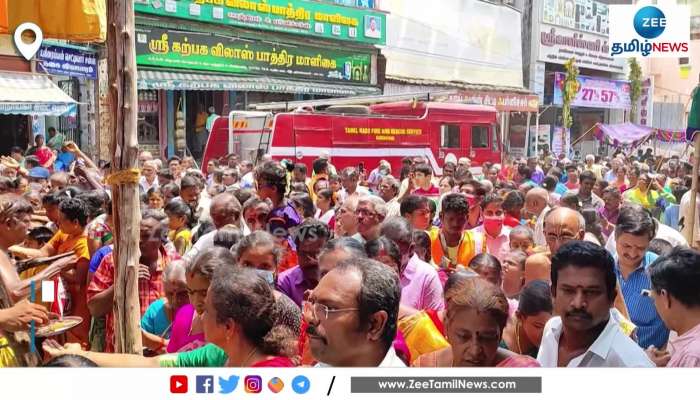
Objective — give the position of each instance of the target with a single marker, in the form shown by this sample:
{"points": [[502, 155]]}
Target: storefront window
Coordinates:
{"points": [[449, 136], [148, 117], [480, 136]]}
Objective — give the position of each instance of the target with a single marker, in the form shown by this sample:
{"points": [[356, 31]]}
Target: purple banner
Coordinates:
{"points": [[595, 92]]}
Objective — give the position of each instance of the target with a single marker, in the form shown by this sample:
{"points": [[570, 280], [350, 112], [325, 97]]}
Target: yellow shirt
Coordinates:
{"points": [[183, 236]]}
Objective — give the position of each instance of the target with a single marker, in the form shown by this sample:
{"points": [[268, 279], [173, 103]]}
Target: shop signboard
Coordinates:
{"points": [[595, 92], [557, 45], [502, 101], [58, 60], [309, 18], [215, 53]]}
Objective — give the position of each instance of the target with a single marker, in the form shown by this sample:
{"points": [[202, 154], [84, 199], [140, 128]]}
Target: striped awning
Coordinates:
{"points": [[33, 94], [152, 79]]}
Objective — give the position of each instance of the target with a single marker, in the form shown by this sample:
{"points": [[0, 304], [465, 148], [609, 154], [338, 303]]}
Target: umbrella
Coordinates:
{"points": [[693, 134]]}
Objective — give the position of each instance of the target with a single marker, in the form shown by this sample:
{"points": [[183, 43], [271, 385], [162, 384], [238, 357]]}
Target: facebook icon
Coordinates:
{"points": [[205, 384]]}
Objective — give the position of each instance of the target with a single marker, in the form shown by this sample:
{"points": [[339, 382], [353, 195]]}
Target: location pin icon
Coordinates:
{"points": [[28, 49]]}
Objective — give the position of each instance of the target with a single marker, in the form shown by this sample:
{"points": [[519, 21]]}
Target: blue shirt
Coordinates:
{"points": [[98, 256], [561, 189], [671, 215], [155, 320], [650, 328]]}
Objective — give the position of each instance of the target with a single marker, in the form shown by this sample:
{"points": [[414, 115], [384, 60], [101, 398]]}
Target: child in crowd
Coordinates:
{"points": [[179, 223]]}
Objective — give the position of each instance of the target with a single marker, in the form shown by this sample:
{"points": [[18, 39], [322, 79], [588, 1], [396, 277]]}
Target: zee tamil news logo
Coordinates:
{"points": [[649, 31]]}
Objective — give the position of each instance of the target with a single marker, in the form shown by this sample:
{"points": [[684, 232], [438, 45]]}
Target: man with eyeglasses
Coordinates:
{"points": [[562, 225], [352, 316], [371, 211]]}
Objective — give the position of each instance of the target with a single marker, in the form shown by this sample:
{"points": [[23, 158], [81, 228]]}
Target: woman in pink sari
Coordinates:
{"points": [[476, 314], [188, 331]]}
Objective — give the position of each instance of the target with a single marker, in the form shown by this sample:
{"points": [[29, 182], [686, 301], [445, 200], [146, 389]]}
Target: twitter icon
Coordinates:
{"points": [[227, 386]]}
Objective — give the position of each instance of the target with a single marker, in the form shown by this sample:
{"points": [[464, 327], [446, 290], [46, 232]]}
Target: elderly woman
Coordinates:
{"points": [[476, 315], [239, 323]]}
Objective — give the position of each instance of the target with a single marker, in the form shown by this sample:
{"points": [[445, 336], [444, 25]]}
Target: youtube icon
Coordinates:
{"points": [[178, 384]]}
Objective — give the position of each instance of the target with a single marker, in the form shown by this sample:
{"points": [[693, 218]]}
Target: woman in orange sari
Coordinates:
{"points": [[476, 314]]}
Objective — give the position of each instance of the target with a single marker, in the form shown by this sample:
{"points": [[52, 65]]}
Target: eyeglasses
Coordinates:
{"points": [[320, 312], [551, 237], [368, 213]]}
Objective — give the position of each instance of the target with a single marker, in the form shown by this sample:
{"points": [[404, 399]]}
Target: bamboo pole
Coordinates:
{"points": [[121, 56]]}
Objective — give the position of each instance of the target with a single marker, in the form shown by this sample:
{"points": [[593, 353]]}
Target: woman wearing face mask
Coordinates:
{"points": [[497, 235], [188, 329], [258, 251], [523, 333], [474, 321]]}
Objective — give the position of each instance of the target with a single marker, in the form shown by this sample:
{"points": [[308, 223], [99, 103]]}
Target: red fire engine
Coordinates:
{"points": [[361, 136]]}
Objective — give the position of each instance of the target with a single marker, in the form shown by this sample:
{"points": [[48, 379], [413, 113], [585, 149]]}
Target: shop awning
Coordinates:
{"points": [[151, 79], [33, 94]]}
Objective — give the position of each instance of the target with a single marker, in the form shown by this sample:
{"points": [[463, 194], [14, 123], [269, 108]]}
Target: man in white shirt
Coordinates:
{"points": [[388, 191], [352, 316], [149, 177], [350, 179], [585, 333], [225, 209]]}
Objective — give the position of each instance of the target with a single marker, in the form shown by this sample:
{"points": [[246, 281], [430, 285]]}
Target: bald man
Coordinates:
{"points": [[225, 210], [563, 225], [536, 204], [537, 267]]}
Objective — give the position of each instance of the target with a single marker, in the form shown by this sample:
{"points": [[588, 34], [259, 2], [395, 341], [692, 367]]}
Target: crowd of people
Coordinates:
{"points": [[539, 262]]}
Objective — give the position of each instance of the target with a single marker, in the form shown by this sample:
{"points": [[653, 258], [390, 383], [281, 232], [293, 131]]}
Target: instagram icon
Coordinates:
{"points": [[253, 384]]}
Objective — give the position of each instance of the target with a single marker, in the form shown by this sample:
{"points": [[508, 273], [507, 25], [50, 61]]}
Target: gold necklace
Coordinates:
{"points": [[517, 337], [253, 351]]}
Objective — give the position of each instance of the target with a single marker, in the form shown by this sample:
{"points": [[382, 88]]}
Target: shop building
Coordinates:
{"points": [[194, 54], [55, 89], [560, 30]]}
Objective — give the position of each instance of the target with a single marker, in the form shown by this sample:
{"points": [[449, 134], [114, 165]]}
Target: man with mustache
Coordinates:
{"points": [[634, 231], [352, 316], [585, 333]]}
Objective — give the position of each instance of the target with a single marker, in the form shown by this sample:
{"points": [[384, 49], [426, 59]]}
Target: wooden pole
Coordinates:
{"points": [[121, 57], [689, 227]]}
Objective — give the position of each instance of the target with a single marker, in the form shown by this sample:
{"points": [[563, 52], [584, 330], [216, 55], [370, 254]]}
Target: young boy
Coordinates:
{"points": [[522, 238], [423, 182]]}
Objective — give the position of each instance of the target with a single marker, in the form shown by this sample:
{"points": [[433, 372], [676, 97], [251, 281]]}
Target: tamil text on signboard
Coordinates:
{"points": [[309, 18], [207, 52], [57, 60], [558, 45]]}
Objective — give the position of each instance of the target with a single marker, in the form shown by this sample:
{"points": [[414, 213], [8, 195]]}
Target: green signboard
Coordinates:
{"points": [[309, 18], [209, 52]]}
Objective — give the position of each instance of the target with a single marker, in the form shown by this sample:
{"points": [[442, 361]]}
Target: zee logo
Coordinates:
{"points": [[649, 22]]}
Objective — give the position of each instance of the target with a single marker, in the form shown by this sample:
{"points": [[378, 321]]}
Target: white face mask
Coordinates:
{"points": [[269, 276]]}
